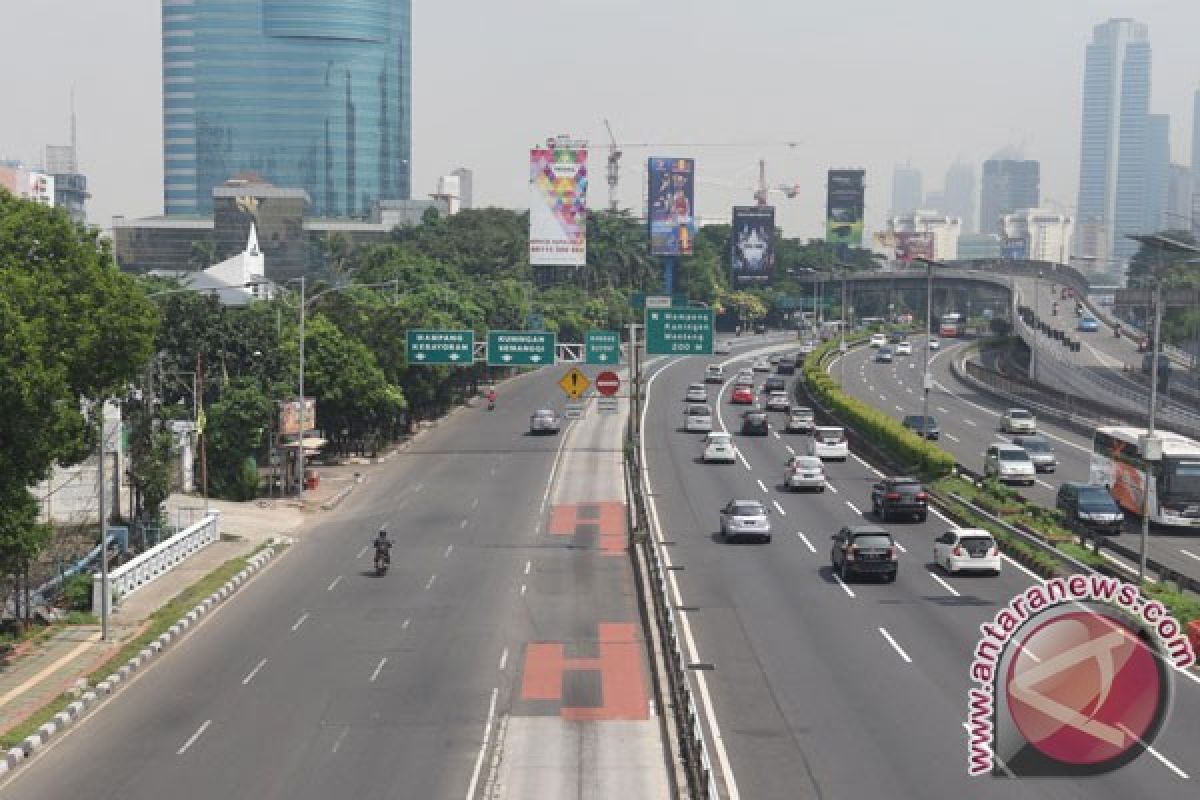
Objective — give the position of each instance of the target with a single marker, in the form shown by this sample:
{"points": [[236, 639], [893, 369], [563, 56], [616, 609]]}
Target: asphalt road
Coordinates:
{"points": [[319, 680], [969, 423], [820, 689]]}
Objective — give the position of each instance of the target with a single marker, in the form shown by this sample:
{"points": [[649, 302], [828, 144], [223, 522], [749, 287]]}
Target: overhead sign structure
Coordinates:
{"points": [[607, 383], [520, 348], [602, 347], [679, 331], [441, 347], [574, 383]]}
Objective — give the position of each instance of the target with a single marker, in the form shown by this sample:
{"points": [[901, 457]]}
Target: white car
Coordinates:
{"points": [[804, 472], [761, 365], [1018, 420], [713, 373], [696, 393], [697, 418], [745, 376], [1009, 463], [777, 401], [801, 420], [904, 348], [544, 420], [745, 519], [807, 346], [878, 340], [718, 448], [934, 343], [829, 443], [723, 347], [964, 549]]}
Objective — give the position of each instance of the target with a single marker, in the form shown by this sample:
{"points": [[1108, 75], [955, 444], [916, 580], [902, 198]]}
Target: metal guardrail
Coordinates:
{"points": [[158, 560]]}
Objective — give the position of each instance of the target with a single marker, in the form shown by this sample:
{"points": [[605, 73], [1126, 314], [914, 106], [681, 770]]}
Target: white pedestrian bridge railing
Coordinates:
{"points": [[157, 561]]}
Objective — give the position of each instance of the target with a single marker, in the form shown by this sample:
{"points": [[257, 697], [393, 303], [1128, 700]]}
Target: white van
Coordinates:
{"points": [[829, 443]]}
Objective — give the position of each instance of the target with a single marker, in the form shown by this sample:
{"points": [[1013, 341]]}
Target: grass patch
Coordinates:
{"points": [[1084, 554], [82, 618], [1183, 608], [156, 625]]}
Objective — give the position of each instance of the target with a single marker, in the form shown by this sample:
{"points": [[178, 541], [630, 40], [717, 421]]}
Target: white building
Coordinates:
{"points": [[1046, 233], [71, 495], [942, 229]]}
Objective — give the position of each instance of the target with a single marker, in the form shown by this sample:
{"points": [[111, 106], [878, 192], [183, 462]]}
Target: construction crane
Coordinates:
{"points": [[762, 191], [615, 151]]}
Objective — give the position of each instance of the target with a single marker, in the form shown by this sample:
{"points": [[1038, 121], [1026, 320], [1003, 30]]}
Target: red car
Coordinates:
{"points": [[743, 394]]}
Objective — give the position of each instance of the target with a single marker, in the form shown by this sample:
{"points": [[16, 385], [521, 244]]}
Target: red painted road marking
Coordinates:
{"points": [[623, 688], [608, 518]]}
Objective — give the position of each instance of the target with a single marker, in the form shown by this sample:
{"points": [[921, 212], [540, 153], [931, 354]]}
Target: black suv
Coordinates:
{"points": [[786, 365], [923, 426], [1089, 507], [864, 550], [896, 337], [775, 383], [754, 423], [893, 496]]}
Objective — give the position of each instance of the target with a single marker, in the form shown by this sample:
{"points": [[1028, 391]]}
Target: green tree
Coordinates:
{"points": [[236, 429], [203, 254]]}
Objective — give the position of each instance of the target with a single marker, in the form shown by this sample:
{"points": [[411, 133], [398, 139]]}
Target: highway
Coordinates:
{"points": [[969, 423], [820, 689], [320, 680]]}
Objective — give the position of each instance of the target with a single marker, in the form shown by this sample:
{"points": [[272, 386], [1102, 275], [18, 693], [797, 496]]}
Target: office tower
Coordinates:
{"points": [[959, 194], [1179, 199], [1196, 136], [1113, 146], [1008, 185], [1158, 172], [906, 190], [312, 95]]}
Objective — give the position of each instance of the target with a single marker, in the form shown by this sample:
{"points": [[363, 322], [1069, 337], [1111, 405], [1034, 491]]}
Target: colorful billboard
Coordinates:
{"points": [[911, 246], [672, 206], [844, 207], [558, 204], [289, 416], [752, 245]]}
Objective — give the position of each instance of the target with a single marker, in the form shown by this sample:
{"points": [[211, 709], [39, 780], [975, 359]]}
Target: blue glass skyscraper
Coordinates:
{"points": [[306, 94]]}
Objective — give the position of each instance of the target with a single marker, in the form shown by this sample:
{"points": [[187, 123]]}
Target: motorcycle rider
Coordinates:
{"points": [[491, 398], [383, 549]]}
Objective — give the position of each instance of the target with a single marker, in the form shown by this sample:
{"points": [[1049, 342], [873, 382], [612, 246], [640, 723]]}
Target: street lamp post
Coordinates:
{"points": [[926, 380]]}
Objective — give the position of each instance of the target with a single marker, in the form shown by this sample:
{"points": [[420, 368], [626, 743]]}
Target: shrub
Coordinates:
{"points": [[77, 593]]}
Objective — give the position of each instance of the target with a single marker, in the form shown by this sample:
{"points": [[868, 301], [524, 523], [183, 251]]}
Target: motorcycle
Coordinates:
{"points": [[381, 564], [1117, 331]]}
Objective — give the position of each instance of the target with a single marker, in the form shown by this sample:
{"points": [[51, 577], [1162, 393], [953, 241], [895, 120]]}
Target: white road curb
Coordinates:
{"points": [[94, 698]]}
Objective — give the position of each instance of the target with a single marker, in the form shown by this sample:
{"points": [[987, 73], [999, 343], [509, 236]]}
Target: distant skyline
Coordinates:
{"points": [[863, 83]]}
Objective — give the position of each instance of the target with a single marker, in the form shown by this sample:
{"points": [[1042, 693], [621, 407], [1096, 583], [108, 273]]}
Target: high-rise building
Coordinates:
{"points": [[1179, 199], [906, 190], [1196, 137], [466, 178], [937, 232], [959, 194], [1008, 184], [1158, 172], [313, 95], [1046, 234], [1112, 155]]}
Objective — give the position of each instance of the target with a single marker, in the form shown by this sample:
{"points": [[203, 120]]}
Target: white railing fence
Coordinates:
{"points": [[157, 561]]}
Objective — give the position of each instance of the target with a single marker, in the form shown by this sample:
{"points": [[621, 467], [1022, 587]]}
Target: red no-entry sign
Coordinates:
{"points": [[607, 383]]}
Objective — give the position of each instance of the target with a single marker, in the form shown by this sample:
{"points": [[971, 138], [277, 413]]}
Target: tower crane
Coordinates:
{"points": [[614, 167]]}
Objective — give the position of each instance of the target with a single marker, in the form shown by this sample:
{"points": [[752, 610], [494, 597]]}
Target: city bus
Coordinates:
{"points": [[952, 325], [1174, 490]]}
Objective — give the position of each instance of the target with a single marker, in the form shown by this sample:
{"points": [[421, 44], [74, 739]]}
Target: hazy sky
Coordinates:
{"points": [[864, 83]]}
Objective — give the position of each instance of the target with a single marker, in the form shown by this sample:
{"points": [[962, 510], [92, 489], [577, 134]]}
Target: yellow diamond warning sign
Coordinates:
{"points": [[574, 383]]}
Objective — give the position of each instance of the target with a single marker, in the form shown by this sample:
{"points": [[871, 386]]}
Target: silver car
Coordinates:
{"points": [[804, 472], [696, 393], [544, 420], [777, 401], [697, 418], [1010, 464], [801, 420], [1040, 452], [1018, 420], [745, 519]]}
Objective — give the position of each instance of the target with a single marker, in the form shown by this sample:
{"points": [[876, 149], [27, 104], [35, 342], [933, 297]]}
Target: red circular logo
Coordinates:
{"points": [[1083, 689], [607, 383]]}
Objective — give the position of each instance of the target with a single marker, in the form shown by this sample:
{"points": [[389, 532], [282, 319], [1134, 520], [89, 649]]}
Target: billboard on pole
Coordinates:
{"points": [[845, 206], [558, 204], [671, 200], [752, 245]]}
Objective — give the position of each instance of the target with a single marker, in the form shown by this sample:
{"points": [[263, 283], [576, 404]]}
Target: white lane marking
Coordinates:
{"points": [[475, 504], [872, 469], [449, 550], [1037, 578], [553, 469], [701, 681], [945, 585], [1189, 554], [300, 622], [429, 584], [742, 458], [378, 669], [842, 584], [831, 487], [953, 438], [246, 680], [462, 524], [971, 423], [807, 543], [192, 740], [337, 745], [487, 733], [335, 582], [418, 487], [528, 566], [899, 546], [790, 449], [773, 433], [870, 387], [779, 508], [1067, 442], [941, 516], [404, 625], [895, 646], [942, 409], [503, 659], [853, 507], [523, 589], [1149, 749], [762, 485], [362, 552], [1043, 484], [883, 398], [900, 409]]}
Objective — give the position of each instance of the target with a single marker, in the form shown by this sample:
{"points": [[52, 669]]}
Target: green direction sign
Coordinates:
{"points": [[520, 348], [679, 331], [441, 347], [602, 347]]}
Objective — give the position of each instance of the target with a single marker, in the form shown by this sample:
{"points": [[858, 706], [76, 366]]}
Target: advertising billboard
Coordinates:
{"points": [[844, 207], [752, 250], [289, 416], [672, 204], [914, 245], [558, 204]]}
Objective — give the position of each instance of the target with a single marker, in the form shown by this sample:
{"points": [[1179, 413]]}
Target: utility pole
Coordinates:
{"points": [[300, 440], [105, 592], [1150, 434], [926, 381]]}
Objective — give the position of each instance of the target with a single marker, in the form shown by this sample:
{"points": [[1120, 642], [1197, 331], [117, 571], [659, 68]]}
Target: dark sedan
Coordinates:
{"points": [[754, 423]]}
